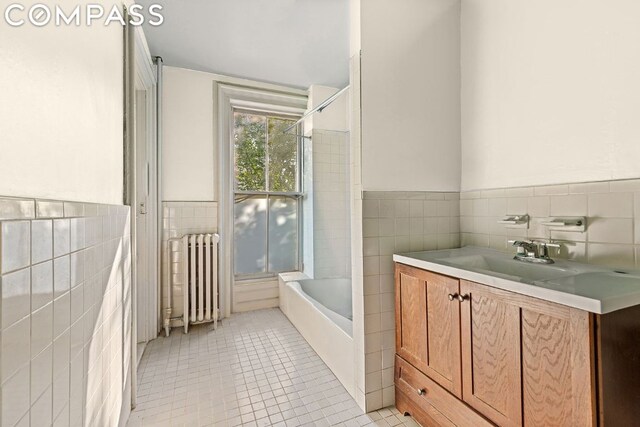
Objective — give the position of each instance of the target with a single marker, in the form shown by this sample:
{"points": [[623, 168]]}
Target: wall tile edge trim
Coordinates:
{"points": [[14, 208]]}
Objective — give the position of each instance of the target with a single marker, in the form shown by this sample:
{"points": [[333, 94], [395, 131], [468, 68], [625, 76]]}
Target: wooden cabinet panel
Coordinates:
{"points": [[411, 318], [428, 325], [443, 333], [491, 354], [557, 368], [527, 361], [618, 357]]}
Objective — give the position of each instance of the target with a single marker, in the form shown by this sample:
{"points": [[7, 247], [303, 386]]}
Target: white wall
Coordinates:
{"points": [[190, 164], [334, 117], [354, 28], [410, 95], [61, 109], [189, 155], [550, 91]]}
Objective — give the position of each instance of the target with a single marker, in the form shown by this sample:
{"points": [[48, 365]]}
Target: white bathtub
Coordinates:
{"points": [[321, 311]]}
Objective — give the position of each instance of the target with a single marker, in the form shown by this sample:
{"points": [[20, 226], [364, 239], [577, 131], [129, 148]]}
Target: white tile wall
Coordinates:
{"points": [[178, 219], [394, 222], [330, 192], [65, 297], [612, 209]]}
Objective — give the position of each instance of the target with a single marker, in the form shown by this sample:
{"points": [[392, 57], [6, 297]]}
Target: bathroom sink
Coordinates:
{"points": [[600, 283], [586, 287], [509, 267]]}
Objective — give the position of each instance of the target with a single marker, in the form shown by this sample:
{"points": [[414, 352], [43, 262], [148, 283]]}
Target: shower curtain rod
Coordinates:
{"points": [[324, 104]]}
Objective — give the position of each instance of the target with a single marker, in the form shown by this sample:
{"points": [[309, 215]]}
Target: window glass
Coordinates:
{"points": [[250, 151], [283, 233], [266, 227], [283, 156], [250, 220]]}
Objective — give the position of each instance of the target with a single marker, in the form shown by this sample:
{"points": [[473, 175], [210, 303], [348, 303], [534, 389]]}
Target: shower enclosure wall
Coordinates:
{"points": [[327, 251], [318, 300]]}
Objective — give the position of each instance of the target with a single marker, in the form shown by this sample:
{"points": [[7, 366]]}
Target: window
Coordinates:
{"points": [[267, 193]]}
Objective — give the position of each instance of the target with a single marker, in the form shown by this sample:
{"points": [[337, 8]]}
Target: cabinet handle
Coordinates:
{"points": [[452, 297], [422, 392], [462, 298]]}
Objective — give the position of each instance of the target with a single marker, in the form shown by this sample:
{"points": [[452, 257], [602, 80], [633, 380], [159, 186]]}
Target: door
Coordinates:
{"points": [[140, 152], [491, 353], [146, 301], [428, 325], [142, 229]]}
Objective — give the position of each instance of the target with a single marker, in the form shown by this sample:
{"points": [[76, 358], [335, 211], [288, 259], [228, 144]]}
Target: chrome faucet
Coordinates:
{"points": [[533, 251]]}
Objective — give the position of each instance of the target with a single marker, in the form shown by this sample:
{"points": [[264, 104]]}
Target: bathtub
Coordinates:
{"points": [[321, 311]]}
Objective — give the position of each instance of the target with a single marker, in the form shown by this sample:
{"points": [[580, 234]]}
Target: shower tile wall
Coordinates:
{"points": [[66, 308], [394, 222], [612, 210], [331, 223], [178, 219]]}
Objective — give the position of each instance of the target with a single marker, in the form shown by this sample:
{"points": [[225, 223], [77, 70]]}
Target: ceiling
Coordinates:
{"points": [[290, 42]]}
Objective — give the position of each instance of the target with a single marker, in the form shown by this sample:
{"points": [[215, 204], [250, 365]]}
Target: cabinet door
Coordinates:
{"points": [[428, 325], [558, 376], [526, 361], [491, 353]]}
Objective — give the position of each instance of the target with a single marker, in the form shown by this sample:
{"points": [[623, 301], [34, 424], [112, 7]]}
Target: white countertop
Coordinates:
{"points": [[592, 288]]}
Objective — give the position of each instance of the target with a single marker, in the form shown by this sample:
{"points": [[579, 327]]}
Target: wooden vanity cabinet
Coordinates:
{"points": [[470, 355], [429, 335]]}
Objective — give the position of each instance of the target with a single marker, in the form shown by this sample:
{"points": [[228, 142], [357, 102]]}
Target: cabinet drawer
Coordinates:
{"points": [[428, 395], [425, 414]]}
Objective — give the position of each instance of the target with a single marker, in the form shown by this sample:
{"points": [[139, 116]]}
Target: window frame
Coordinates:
{"points": [[228, 93], [298, 195]]}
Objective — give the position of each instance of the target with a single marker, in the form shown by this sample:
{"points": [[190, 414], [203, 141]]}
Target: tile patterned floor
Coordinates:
{"points": [[254, 370]]}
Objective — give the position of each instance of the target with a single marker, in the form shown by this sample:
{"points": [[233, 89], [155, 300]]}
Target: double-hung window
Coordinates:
{"points": [[267, 194]]}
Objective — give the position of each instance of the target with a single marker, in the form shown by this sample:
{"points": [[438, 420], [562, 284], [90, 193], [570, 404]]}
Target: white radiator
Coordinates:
{"points": [[200, 269]]}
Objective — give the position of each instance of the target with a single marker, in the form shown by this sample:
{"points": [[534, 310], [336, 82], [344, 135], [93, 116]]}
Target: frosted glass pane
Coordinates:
{"points": [[250, 234], [283, 234]]}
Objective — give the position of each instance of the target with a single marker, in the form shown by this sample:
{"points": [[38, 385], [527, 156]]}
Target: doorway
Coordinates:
{"points": [[146, 229], [146, 313]]}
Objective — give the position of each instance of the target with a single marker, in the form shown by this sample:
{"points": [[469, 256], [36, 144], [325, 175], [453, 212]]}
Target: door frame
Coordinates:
{"points": [[138, 74], [146, 82]]}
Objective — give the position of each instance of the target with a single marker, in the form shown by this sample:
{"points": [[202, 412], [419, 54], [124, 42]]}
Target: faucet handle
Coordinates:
{"points": [[519, 242], [548, 245], [523, 246], [543, 248]]}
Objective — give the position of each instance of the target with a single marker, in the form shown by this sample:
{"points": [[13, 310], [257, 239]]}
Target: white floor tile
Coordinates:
{"points": [[254, 370]]}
